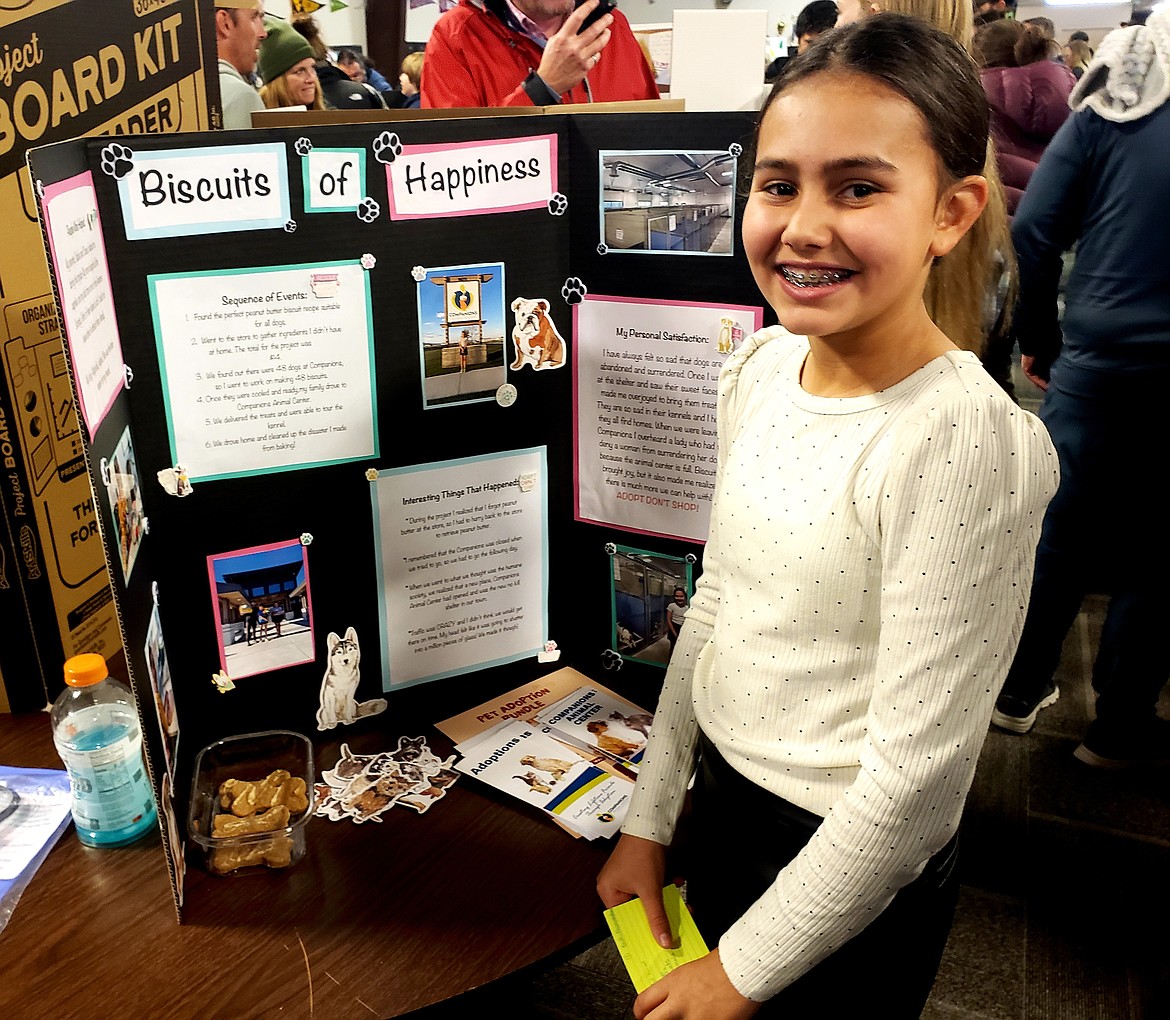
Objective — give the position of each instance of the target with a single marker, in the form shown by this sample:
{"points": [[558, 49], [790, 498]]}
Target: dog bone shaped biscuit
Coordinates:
{"points": [[245, 798], [275, 853], [228, 825]]}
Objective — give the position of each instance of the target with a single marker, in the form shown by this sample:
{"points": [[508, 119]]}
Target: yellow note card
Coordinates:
{"points": [[644, 958]]}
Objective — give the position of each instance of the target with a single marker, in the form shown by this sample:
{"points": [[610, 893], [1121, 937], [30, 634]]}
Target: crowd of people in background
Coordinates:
{"points": [[274, 63], [1061, 157]]}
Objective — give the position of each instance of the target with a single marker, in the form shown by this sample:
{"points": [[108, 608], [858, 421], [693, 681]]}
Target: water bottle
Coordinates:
{"points": [[95, 729]]}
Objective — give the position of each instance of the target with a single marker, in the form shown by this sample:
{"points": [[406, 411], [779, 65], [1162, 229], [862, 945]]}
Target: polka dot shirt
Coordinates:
{"points": [[865, 582]]}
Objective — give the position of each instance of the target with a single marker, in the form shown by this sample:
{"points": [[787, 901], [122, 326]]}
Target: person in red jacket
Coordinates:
{"points": [[532, 53]]}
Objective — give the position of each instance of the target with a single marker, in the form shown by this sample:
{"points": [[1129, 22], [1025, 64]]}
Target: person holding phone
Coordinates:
{"points": [[487, 53]]}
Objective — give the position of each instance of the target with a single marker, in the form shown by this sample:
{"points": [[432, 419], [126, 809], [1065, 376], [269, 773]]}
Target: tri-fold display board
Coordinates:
{"points": [[369, 405]]}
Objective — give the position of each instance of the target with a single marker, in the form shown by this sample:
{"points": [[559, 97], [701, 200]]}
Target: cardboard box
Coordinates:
{"points": [[68, 68]]}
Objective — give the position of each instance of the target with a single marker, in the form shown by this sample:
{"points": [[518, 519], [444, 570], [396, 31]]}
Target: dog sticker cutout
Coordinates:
{"points": [[339, 704], [535, 336]]}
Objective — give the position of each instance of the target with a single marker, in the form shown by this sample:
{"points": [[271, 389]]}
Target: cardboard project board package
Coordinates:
{"points": [[253, 323], [137, 68]]}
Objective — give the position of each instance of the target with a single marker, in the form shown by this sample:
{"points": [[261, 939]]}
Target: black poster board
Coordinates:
{"points": [[556, 251]]}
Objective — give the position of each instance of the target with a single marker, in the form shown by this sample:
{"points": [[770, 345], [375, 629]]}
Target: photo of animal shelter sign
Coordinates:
{"points": [[647, 373], [266, 369], [462, 552]]}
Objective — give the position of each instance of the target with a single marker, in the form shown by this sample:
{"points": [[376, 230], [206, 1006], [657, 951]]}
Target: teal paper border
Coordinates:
{"points": [[387, 682], [627, 550], [361, 158], [152, 279]]}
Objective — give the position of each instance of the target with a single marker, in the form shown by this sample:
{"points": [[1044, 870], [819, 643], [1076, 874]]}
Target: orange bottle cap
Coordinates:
{"points": [[85, 670]]}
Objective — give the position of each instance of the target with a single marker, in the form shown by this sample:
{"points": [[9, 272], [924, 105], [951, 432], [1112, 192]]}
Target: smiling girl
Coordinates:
{"points": [[872, 537]]}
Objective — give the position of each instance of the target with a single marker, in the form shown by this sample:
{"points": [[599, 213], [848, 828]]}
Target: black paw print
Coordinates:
{"points": [[117, 160], [290, 226], [387, 147], [368, 210], [735, 148], [602, 248], [558, 204], [611, 660], [303, 146], [573, 291]]}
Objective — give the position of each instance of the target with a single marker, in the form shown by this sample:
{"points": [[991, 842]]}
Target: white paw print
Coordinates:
{"points": [[419, 274], [735, 148], [306, 538], [387, 147], [558, 204], [290, 227], [368, 261], [368, 210], [117, 160], [303, 146]]}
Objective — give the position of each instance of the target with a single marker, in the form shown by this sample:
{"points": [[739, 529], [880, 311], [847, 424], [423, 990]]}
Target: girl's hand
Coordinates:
{"points": [[1028, 365], [636, 868], [700, 990]]}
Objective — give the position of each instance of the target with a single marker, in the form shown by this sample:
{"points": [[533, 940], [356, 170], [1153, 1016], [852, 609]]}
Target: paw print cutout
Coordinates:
{"points": [[558, 204], [303, 146], [371, 474], [117, 160], [610, 548], [290, 227], [691, 558], [735, 149], [387, 147], [573, 291], [602, 248], [611, 660], [419, 274], [39, 187], [368, 210], [368, 261], [306, 538]]}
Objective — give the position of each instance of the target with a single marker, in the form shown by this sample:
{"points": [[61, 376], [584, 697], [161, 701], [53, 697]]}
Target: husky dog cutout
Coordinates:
{"points": [[339, 686]]}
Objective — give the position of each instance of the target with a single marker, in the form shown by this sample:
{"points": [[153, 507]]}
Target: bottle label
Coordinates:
{"points": [[108, 779]]}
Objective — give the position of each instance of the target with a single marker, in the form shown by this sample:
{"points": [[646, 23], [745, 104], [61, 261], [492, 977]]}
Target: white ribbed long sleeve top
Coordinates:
{"points": [[864, 585]]}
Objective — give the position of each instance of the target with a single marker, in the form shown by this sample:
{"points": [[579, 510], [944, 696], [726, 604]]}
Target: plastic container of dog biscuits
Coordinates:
{"points": [[251, 799]]}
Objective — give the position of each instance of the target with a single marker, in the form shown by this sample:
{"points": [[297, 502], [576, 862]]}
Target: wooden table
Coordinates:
{"points": [[376, 921]]}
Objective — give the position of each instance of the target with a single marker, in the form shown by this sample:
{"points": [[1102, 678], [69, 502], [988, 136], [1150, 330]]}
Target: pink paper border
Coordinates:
{"points": [[270, 547], [53, 191], [394, 214], [757, 313]]}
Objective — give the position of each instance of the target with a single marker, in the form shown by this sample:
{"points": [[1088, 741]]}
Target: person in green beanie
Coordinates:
{"points": [[288, 69]]}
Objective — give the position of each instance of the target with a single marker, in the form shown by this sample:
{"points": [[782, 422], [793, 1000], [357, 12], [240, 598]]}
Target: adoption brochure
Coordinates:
{"points": [[595, 717], [645, 960], [524, 703], [529, 764]]}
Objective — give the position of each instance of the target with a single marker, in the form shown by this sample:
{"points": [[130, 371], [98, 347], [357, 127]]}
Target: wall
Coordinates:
{"points": [[1095, 19], [338, 28]]}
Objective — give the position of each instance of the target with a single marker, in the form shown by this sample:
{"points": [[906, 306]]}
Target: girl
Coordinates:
{"points": [[969, 294], [872, 538]]}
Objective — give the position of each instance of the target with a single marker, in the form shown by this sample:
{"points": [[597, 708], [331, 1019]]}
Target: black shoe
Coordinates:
{"points": [[1016, 716], [1122, 746]]}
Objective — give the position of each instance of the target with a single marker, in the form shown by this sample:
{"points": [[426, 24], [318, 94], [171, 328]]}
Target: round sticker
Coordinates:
{"points": [[506, 395]]}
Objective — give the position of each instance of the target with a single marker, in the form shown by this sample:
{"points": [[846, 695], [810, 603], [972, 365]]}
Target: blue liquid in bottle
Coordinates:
{"points": [[95, 728]]}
